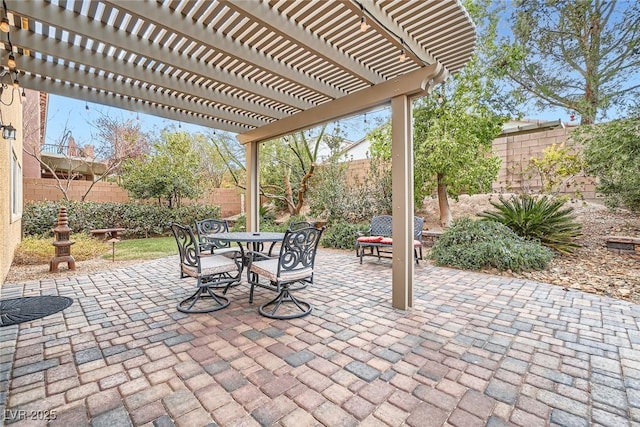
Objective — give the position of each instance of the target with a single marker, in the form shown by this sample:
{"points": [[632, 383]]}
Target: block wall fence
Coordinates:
{"points": [[514, 151], [40, 189]]}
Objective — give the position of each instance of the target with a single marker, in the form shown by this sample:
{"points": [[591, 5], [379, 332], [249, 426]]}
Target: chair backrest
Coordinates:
{"points": [[187, 245], [211, 225], [381, 225], [300, 224], [418, 224], [298, 250]]}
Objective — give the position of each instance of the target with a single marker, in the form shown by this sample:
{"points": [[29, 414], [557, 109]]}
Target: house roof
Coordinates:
{"points": [[229, 65]]}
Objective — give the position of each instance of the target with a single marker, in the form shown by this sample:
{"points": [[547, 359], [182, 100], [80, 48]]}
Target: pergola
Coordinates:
{"points": [[261, 69]]}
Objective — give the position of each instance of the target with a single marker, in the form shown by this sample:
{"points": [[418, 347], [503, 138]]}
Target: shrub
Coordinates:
{"points": [[140, 219], [36, 250], [333, 198], [342, 235], [538, 218], [473, 245]]}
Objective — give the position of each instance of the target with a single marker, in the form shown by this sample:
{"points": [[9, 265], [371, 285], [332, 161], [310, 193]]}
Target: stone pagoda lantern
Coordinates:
{"points": [[62, 243]]}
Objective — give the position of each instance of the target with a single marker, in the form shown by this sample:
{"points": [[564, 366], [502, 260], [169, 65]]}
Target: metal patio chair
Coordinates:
{"points": [[211, 272], [292, 270], [209, 226]]}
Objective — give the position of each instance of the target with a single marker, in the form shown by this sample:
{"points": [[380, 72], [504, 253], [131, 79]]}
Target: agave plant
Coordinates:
{"points": [[538, 218]]}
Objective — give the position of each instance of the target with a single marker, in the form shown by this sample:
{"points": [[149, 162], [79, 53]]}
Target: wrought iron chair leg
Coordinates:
{"points": [[251, 278], [201, 293], [285, 297]]}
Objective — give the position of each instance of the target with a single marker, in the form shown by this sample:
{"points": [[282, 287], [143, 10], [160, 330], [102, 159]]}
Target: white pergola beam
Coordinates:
{"points": [[121, 101], [78, 24], [187, 27], [279, 24], [83, 78], [402, 203], [364, 100]]}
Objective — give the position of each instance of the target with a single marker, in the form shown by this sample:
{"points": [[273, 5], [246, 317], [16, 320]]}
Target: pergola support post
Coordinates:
{"points": [[402, 199], [252, 199]]}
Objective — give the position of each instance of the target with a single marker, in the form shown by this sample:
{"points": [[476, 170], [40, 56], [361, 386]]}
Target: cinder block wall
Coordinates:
{"points": [[516, 151], [39, 189]]}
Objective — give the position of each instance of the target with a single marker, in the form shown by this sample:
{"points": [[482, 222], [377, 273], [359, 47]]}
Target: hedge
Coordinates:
{"points": [[140, 219]]}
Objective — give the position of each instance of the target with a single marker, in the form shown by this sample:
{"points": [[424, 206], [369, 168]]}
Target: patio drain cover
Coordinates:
{"points": [[26, 309]]}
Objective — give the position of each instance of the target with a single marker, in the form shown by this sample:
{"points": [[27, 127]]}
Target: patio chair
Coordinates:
{"points": [[212, 225], [300, 224], [211, 272], [377, 241], [292, 270]]}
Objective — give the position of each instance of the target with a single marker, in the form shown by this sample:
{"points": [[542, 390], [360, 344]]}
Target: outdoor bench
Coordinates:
{"points": [[377, 241], [105, 233]]}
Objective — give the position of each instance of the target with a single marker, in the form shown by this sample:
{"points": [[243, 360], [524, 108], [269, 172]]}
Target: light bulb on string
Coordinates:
{"points": [[86, 105], [11, 62], [363, 24], [4, 25]]}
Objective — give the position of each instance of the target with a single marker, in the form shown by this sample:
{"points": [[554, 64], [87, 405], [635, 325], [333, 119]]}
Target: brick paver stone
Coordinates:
{"points": [[475, 349]]}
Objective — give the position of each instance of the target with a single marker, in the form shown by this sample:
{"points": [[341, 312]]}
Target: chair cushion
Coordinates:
{"points": [[212, 264], [384, 240], [269, 270], [369, 239]]}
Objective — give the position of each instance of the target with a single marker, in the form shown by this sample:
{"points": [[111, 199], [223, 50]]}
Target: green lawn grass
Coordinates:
{"points": [[143, 249]]}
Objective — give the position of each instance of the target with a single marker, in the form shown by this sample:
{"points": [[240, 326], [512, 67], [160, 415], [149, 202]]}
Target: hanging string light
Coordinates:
{"points": [[5, 27], [86, 105], [403, 55], [364, 26]]}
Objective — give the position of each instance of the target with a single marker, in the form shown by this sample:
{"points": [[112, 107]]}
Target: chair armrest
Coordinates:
{"points": [[256, 256], [363, 233]]}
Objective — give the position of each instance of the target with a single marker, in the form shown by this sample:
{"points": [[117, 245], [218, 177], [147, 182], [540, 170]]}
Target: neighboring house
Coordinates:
{"points": [[64, 158], [69, 161]]}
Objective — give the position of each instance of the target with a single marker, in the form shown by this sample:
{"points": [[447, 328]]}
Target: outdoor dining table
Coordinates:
{"points": [[253, 240]]}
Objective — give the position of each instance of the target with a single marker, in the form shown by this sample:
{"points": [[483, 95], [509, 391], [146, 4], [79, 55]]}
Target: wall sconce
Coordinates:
{"points": [[8, 132]]}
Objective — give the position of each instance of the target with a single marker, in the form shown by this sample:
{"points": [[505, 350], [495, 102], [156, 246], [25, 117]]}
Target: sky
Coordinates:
{"points": [[71, 114]]}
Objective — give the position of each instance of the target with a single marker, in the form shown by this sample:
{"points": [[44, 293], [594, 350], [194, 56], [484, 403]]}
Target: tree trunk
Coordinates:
{"points": [[303, 189], [443, 203], [289, 194]]}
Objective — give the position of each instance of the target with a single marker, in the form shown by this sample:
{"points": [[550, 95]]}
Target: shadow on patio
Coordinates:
{"points": [[475, 350]]}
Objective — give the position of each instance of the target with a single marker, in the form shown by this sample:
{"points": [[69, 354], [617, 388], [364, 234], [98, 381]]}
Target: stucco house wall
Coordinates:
{"points": [[10, 209]]}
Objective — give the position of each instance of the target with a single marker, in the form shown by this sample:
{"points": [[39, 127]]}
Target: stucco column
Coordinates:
{"points": [[402, 199], [252, 192]]}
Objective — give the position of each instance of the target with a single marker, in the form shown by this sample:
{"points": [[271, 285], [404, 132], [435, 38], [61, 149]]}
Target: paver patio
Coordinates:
{"points": [[475, 350]]}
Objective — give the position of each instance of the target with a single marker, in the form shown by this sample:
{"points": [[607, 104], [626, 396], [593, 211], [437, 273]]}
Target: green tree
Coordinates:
{"points": [[612, 154], [454, 128], [212, 166], [581, 55], [287, 165], [557, 168], [170, 172]]}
